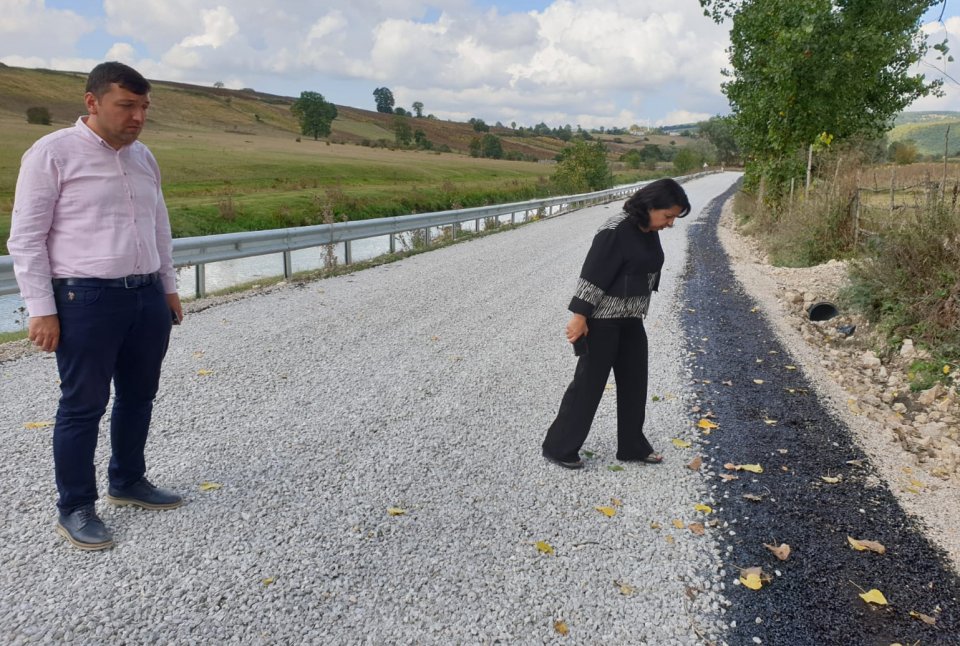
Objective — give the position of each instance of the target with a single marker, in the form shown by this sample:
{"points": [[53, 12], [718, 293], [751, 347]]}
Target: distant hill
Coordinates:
{"points": [[183, 107], [928, 130]]}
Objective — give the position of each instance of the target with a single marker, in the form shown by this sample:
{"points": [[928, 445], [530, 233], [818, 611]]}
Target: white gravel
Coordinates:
{"points": [[425, 385]]}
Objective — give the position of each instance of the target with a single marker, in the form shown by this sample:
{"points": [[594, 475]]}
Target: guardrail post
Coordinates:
{"points": [[453, 230], [347, 252], [393, 243], [287, 265], [426, 237], [476, 226], [513, 218], [201, 276]]}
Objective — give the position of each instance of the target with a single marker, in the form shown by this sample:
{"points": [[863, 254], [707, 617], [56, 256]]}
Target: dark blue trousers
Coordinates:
{"points": [[620, 345], [106, 333]]}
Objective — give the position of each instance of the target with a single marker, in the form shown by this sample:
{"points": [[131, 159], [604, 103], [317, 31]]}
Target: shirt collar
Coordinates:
{"points": [[87, 131]]}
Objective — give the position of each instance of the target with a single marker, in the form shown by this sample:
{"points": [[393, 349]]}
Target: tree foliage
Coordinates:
{"points": [[583, 167], [801, 68], [384, 99], [418, 109], [315, 114], [39, 115], [721, 132], [402, 131]]}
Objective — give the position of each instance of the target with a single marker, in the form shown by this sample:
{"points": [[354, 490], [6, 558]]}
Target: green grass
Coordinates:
{"points": [[9, 337]]}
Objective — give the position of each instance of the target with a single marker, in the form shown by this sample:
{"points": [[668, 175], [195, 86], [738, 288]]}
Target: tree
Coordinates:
{"points": [[802, 68], [490, 146], [479, 125], [632, 158], [38, 115], [721, 132], [902, 152], [315, 114], [218, 84], [384, 98], [686, 160], [402, 131], [400, 111], [583, 167], [417, 109]]}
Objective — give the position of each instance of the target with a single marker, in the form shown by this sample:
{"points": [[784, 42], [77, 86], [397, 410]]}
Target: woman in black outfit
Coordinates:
{"points": [[620, 272]]}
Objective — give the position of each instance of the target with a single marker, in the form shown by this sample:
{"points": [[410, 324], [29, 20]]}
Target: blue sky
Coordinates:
{"points": [[586, 62]]}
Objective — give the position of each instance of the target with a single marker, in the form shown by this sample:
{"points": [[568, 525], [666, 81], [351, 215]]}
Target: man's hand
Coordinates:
{"points": [[44, 332], [576, 327], [173, 301]]}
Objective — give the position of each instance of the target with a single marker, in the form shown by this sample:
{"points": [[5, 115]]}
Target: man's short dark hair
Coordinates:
{"points": [[105, 74]]}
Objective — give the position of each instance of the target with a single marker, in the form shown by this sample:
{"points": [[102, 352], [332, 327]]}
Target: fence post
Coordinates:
{"points": [[893, 186], [856, 219], [287, 265], [201, 276], [806, 189]]}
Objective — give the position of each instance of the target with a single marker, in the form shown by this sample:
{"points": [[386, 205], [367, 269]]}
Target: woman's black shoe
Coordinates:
{"points": [[566, 463]]}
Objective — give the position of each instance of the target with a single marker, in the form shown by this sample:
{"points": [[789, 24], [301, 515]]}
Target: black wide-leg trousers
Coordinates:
{"points": [[620, 344]]}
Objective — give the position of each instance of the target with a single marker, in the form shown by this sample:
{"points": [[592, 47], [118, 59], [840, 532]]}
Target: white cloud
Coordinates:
{"points": [[586, 61], [28, 28]]}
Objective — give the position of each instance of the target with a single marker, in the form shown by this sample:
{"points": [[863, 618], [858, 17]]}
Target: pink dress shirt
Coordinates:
{"points": [[84, 210]]}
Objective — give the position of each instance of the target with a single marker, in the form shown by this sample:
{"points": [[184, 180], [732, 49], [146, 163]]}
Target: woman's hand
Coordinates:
{"points": [[576, 327]]}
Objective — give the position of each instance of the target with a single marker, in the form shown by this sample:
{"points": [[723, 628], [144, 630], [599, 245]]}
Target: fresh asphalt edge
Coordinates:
{"points": [[768, 414]]}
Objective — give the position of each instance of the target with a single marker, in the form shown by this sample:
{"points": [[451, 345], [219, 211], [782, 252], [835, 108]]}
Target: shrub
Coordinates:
{"points": [[38, 115]]}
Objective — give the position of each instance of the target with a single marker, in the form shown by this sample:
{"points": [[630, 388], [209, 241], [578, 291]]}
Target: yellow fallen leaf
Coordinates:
{"points": [[781, 551], [680, 444], [696, 528], [669, 539], [35, 425], [782, 451], [874, 596], [561, 627], [204, 372], [758, 381], [695, 464], [831, 479], [753, 468], [268, 580], [860, 546], [609, 512], [705, 423], [751, 580], [206, 485], [946, 370], [396, 511], [616, 502], [544, 547], [625, 589], [856, 463], [927, 619], [678, 523], [790, 367], [609, 387], [654, 525], [769, 422], [703, 508], [917, 484], [198, 354], [752, 497], [727, 477]]}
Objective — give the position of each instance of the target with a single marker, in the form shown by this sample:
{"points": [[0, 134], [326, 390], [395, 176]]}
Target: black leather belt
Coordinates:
{"points": [[127, 282]]}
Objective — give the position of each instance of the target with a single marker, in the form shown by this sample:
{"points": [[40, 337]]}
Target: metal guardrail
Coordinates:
{"points": [[200, 250]]}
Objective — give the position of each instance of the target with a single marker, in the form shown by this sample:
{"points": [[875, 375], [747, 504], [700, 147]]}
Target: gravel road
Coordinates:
{"points": [[425, 386]]}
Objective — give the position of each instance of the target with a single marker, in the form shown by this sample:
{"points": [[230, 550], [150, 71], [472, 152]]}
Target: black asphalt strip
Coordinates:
{"points": [[813, 596]]}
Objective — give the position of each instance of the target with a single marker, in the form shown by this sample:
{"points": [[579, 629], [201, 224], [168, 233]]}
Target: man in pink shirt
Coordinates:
{"points": [[92, 252]]}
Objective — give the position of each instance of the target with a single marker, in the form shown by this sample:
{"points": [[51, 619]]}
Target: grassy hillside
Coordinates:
{"points": [[927, 130], [233, 160]]}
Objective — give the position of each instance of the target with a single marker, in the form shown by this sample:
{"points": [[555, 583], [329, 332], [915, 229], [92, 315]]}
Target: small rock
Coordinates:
{"points": [[907, 350]]}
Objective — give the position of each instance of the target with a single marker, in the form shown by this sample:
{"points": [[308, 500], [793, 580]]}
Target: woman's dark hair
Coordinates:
{"points": [[662, 194], [105, 74]]}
